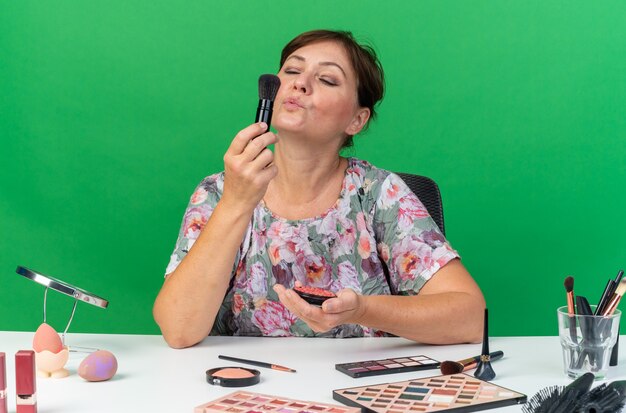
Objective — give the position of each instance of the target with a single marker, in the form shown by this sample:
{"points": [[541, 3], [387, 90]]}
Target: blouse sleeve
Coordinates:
{"points": [[201, 205], [408, 240]]}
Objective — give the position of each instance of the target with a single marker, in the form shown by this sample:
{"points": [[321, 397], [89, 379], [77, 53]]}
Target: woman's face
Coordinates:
{"points": [[318, 94]]}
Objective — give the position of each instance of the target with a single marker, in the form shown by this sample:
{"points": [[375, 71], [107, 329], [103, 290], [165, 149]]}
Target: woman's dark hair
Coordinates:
{"points": [[370, 77]]}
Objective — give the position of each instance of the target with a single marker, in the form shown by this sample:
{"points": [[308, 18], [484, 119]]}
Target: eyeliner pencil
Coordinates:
{"points": [[257, 363]]}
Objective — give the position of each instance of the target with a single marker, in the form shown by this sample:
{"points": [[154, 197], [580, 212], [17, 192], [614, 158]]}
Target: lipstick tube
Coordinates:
{"points": [[3, 383], [25, 384]]}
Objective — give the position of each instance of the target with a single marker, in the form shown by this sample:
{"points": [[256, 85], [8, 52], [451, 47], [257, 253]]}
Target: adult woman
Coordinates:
{"points": [[304, 214]]}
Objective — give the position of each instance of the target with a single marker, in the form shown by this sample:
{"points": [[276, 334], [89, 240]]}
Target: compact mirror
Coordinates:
{"points": [[62, 287]]}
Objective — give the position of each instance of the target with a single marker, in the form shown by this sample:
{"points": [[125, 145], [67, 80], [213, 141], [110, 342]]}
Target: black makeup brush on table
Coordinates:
{"points": [[454, 367]]}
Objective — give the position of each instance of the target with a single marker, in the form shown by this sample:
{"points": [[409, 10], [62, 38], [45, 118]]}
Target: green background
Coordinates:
{"points": [[112, 111]]}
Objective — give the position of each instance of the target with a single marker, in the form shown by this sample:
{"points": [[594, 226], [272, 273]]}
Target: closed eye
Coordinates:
{"points": [[291, 71]]}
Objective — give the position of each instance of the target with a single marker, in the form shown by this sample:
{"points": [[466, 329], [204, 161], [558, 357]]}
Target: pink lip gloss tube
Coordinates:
{"points": [[25, 384], [3, 383]]}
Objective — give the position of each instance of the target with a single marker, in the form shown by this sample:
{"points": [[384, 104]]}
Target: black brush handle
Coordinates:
{"points": [[615, 351], [572, 329], [584, 309], [582, 306], [606, 296], [264, 112]]}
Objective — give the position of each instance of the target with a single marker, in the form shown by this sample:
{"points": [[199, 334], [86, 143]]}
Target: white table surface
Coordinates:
{"points": [[152, 377]]}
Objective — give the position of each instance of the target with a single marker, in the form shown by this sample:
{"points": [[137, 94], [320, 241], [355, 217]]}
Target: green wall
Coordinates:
{"points": [[112, 111]]}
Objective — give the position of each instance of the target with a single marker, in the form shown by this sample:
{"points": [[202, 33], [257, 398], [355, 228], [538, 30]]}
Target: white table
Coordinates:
{"points": [[155, 378]]}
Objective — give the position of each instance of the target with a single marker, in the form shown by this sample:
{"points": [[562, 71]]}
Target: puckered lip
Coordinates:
{"points": [[293, 101]]}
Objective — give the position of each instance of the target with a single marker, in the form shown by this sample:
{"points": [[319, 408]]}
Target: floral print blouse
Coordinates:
{"points": [[377, 239]]}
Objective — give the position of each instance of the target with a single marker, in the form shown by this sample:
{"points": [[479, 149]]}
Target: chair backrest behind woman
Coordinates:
{"points": [[428, 192]]}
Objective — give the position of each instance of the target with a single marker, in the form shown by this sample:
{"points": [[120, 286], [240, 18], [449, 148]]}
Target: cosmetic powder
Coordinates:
{"points": [[233, 376], [313, 295]]}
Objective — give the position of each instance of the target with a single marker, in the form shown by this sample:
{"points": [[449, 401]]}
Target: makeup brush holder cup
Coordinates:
{"points": [[587, 342]]}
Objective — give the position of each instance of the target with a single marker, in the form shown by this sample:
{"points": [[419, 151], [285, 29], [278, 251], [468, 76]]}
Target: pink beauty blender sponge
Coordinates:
{"points": [[50, 353], [100, 365]]}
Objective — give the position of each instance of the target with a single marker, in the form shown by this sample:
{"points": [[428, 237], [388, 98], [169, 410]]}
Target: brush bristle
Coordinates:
{"points": [[569, 284], [268, 86], [450, 367], [544, 400], [561, 399]]}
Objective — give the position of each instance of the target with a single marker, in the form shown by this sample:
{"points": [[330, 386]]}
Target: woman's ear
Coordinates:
{"points": [[358, 121]]}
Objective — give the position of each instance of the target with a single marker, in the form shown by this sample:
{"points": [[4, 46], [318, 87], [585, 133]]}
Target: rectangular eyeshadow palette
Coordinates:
{"points": [[452, 393], [387, 366], [247, 402]]}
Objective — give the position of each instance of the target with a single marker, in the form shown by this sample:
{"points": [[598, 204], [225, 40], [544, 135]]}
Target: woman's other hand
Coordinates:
{"points": [[248, 167], [343, 309]]}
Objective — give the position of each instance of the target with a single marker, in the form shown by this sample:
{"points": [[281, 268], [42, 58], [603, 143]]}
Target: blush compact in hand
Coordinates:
{"points": [[314, 295]]}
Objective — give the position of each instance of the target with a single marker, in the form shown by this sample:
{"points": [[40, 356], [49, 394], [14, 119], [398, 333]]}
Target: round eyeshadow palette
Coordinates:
{"points": [[313, 295]]}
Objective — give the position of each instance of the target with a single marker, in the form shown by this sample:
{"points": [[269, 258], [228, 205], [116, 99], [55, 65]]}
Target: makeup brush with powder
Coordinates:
{"points": [[454, 367]]}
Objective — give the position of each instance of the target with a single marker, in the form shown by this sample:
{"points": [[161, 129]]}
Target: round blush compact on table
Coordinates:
{"points": [[233, 376]]}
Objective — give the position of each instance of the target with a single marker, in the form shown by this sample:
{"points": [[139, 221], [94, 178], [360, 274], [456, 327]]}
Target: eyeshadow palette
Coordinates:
{"points": [[247, 402], [387, 366], [452, 393]]}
